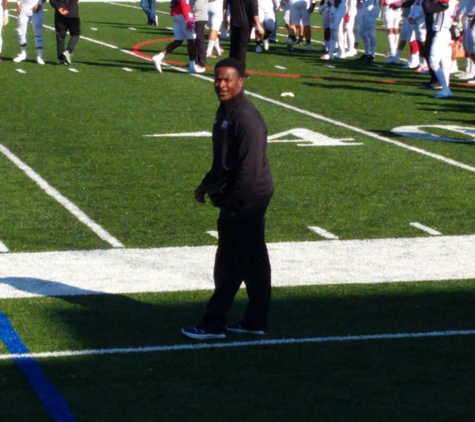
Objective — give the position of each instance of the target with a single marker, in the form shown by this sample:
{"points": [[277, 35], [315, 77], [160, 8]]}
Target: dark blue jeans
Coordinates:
{"points": [[241, 257]]}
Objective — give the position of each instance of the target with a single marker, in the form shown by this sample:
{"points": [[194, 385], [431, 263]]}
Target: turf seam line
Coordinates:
{"points": [[65, 202], [266, 342], [54, 403]]}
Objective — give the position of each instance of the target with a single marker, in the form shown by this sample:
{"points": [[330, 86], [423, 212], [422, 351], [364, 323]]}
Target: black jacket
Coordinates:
{"points": [[240, 179], [242, 12]]}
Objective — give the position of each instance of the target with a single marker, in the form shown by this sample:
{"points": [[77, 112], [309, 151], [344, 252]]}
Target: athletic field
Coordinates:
{"points": [[105, 255]]}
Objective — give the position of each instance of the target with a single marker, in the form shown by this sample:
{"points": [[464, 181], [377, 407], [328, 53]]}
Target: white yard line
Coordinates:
{"points": [[323, 233], [233, 344], [120, 271], [65, 202], [425, 229]]}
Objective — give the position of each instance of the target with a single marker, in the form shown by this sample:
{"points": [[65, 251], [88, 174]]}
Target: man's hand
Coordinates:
{"points": [[200, 193], [63, 11], [260, 29], [36, 8], [18, 8], [190, 26]]}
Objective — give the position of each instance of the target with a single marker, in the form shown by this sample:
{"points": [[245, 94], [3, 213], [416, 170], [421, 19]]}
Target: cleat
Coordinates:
{"points": [[392, 60], [266, 44], [21, 57], [325, 57], [308, 47], [443, 93], [157, 61], [219, 50], [40, 60], [258, 49]]}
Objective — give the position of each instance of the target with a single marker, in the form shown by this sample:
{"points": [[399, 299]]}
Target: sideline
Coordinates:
{"points": [[270, 342]]}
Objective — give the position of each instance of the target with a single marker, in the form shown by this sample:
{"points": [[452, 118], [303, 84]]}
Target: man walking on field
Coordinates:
{"points": [[240, 185]]}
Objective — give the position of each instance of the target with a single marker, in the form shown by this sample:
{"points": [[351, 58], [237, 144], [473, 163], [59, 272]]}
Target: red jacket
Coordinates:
{"points": [[182, 7]]}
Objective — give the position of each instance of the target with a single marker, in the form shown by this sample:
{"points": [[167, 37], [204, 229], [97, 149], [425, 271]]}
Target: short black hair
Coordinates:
{"points": [[230, 62]]}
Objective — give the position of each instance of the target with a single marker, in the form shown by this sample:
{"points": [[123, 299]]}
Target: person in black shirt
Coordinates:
{"points": [[66, 17], [244, 16], [240, 185]]}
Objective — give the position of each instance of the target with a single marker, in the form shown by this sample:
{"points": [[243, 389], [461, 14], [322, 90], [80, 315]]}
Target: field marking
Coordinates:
{"points": [[65, 202], [322, 262], [425, 229], [252, 343], [323, 233], [213, 233], [3, 247]]}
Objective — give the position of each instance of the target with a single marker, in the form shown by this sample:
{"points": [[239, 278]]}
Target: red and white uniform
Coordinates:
{"points": [[181, 16]]}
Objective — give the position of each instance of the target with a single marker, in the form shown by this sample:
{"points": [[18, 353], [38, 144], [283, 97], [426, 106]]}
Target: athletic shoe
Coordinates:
{"points": [[300, 42], [266, 44], [192, 67], [200, 332], [465, 76], [340, 55], [351, 52], [40, 60], [21, 57], [211, 56], [155, 21], [61, 62], [325, 57], [392, 60], [199, 69], [363, 58], [471, 81], [157, 61], [323, 50], [219, 50], [411, 65], [370, 59], [443, 93], [423, 70], [242, 327], [290, 46], [67, 57], [308, 47], [431, 85], [258, 49]]}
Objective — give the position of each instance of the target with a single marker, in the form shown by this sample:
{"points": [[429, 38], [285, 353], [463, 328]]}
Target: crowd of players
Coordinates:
{"points": [[432, 29]]}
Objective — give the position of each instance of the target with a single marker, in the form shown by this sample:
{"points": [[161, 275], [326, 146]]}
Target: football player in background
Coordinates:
{"points": [[3, 21], [30, 11]]}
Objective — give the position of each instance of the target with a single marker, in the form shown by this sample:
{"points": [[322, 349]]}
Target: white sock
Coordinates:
{"points": [[211, 45]]}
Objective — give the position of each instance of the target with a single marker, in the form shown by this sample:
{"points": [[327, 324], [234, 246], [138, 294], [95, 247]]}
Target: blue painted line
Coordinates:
{"points": [[56, 406]]}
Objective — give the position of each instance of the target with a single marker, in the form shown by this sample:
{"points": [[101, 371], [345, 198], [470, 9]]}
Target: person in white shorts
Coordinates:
{"points": [[369, 14], [183, 27], [441, 51], [215, 19], [392, 17], [348, 29], [466, 13], [267, 19], [30, 11], [338, 12], [3, 22], [299, 12]]}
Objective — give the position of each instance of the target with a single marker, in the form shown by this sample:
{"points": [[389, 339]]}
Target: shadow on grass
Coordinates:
{"points": [[424, 379]]}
